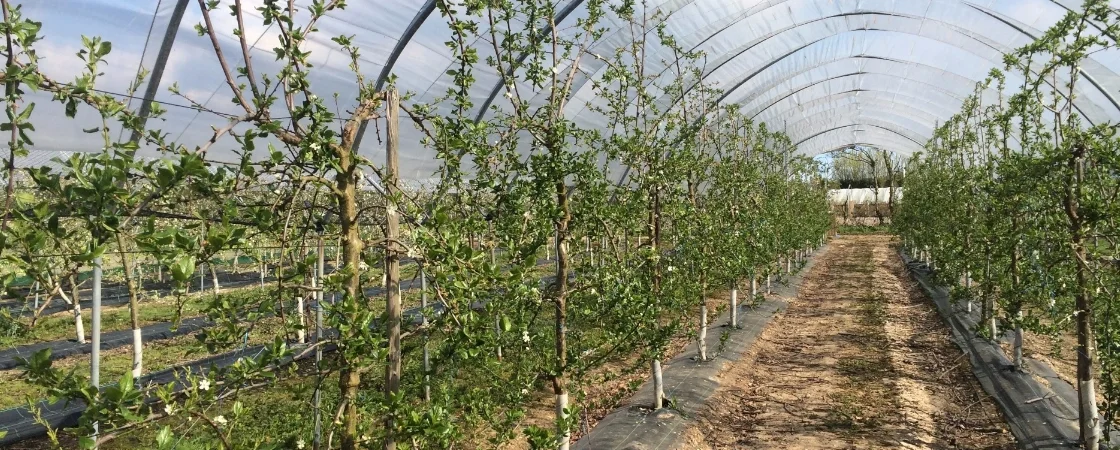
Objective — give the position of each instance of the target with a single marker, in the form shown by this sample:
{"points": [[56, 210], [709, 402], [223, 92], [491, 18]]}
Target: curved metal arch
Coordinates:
{"points": [[798, 143], [387, 69], [747, 47], [913, 109], [828, 119], [738, 85], [930, 86], [742, 82], [870, 96], [743, 49], [863, 71], [1088, 77], [758, 71], [971, 83], [863, 144], [866, 136], [563, 14], [1032, 34]]}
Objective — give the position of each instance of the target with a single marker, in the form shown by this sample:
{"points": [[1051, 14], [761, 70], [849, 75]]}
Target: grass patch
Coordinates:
{"points": [[846, 413], [60, 326], [864, 229]]}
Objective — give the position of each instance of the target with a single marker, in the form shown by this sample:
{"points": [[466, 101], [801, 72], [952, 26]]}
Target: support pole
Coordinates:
{"points": [[392, 256], [318, 283], [95, 325], [424, 325], [734, 305], [161, 63]]}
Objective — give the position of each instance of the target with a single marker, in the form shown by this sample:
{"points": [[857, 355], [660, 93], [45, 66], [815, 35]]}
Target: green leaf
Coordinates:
{"points": [[163, 438]]}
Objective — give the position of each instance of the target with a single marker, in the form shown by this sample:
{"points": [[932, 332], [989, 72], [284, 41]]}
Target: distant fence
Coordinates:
{"points": [[862, 206], [862, 196]]}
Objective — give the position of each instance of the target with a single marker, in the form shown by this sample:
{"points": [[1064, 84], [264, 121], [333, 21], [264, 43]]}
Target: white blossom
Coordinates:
{"points": [[168, 409], [556, 70], [524, 391], [525, 336], [221, 420], [670, 268], [300, 444], [204, 385]]}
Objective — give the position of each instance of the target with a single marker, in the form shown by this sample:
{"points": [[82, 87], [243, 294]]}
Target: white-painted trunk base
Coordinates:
{"points": [[565, 436], [1090, 417], [79, 326], [734, 307], [137, 353], [702, 342], [968, 287], [658, 385], [301, 333], [1018, 347]]}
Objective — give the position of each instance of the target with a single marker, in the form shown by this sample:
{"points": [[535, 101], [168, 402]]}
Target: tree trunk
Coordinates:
{"points": [[734, 306], [989, 310], [702, 340], [1089, 418], [754, 287], [968, 287], [654, 231], [214, 278], [890, 184], [346, 194], [79, 326], [559, 379], [1017, 298], [134, 311]]}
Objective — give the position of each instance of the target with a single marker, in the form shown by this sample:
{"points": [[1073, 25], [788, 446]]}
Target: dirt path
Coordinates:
{"points": [[859, 360]]}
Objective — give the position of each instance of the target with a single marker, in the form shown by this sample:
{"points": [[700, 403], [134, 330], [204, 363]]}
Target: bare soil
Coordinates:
{"points": [[860, 359]]}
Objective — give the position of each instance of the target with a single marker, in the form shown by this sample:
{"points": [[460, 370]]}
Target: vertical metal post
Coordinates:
{"points": [[318, 282], [95, 325], [424, 325], [161, 63]]}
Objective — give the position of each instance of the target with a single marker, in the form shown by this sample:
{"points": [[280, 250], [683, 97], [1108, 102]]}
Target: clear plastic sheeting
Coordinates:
{"points": [[829, 73]]}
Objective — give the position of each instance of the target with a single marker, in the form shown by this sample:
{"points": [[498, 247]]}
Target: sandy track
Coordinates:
{"points": [[859, 360]]}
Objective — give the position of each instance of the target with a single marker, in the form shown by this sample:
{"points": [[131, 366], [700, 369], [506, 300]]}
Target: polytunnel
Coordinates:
{"points": [[875, 72], [519, 212]]}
